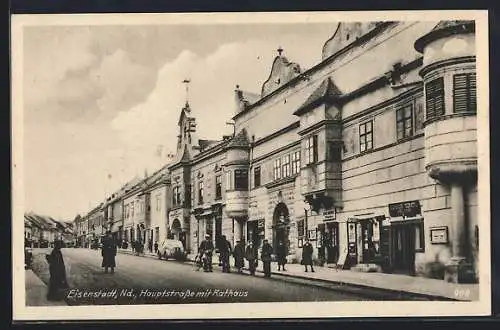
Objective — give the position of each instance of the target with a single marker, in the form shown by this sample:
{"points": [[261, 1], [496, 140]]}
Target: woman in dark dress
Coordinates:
{"points": [[265, 256], [108, 253], [281, 255], [239, 255], [57, 270]]}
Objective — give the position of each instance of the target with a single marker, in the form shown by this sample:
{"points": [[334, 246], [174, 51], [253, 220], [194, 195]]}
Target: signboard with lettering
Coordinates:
{"points": [[261, 223], [405, 209], [329, 214], [439, 235]]}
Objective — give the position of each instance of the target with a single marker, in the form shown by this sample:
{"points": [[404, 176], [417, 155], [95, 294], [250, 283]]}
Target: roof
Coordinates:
{"points": [[327, 91], [240, 140], [444, 29]]}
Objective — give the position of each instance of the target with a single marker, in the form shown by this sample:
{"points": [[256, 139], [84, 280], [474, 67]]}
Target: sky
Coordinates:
{"points": [[101, 103]]}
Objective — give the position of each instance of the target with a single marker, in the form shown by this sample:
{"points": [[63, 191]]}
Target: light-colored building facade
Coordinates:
{"points": [[371, 155]]}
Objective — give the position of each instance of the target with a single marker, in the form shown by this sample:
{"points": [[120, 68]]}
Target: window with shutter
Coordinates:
{"points": [[434, 98], [464, 93]]}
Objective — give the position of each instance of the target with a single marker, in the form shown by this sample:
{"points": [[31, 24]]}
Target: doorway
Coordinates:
{"points": [[281, 220], [331, 242], [403, 245]]}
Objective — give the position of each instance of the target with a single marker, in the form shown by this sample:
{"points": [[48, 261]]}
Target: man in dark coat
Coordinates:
{"points": [[251, 256], [108, 253], [150, 246], [156, 246], [57, 272], [207, 248], [281, 254], [265, 256], [225, 253], [239, 255], [307, 252]]}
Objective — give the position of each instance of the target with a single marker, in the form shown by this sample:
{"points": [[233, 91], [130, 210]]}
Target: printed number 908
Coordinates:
{"points": [[462, 293]]}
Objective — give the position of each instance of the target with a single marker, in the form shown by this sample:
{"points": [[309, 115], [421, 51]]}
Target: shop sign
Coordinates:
{"points": [[405, 209], [261, 223], [439, 235], [329, 214]]}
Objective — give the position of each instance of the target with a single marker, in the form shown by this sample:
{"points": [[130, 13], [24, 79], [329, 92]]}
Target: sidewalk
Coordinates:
{"points": [[389, 282], [36, 292]]}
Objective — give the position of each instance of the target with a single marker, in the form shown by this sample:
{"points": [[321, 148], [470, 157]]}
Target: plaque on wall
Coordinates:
{"points": [[405, 209], [312, 234], [439, 235], [301, 242]]}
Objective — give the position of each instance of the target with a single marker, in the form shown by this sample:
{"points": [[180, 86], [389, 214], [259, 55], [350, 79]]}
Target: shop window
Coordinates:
{"points": [[311, 155], [366, 136], [404, 121], [200, 192], [218, 187], [277, 169], [286, 166], [295, 162], [464, 93], [256, 177], [434, 98], [240, 179], [419, 238]]}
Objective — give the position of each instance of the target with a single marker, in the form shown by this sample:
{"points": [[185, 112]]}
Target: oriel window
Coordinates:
{"points": [[434, 98], [366, 136], [464, 93], [404, 121], [241, 179], [311, 155]]}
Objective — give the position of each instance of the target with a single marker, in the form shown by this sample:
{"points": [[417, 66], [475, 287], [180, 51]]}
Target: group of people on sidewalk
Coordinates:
{"points": [[250, 253]]}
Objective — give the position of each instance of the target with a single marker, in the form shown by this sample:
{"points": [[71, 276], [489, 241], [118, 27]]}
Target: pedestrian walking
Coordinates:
{"points": [[57, 270], [307, 252], [150, 246], [281, 254], [206, 249], [225, 253], [265, 256], [251, 256], [156, 246], [108, 253], [133, 245], [239, 255]]}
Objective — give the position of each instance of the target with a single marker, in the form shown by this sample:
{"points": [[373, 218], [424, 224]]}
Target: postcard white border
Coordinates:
{"points": [[255, 310]]}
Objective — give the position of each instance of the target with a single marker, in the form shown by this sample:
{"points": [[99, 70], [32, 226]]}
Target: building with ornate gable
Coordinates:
{"points": [[371, 155]]}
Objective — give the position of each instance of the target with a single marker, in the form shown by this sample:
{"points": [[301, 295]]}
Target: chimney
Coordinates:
{"points": [[238, 98]]}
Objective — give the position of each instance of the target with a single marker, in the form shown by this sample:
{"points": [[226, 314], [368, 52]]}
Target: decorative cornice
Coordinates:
{"points": [[448, 62], [324, 122], [276, 151], [449, 116], [277, 133], [281, 182]]}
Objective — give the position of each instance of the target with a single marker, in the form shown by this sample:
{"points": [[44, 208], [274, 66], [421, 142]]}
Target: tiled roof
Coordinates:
{"points": [[240, 140], [326, 91]]}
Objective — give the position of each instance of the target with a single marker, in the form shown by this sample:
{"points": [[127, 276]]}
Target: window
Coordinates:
{"points": [[200, 192], [176, 196], [311, 149], [240, 179], [132, 209], [334, 152], [434, 98], [404, 121], [286, 166], [256, 177], [464, 92], [295, 162], [229, 186], [366, 136], [218, 187], [300, 228], [419, 237], [277, 169]]}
